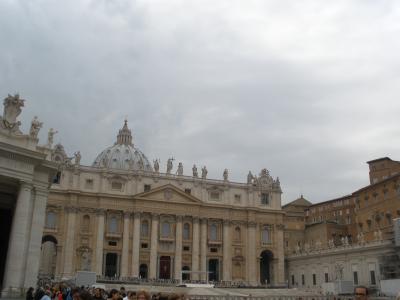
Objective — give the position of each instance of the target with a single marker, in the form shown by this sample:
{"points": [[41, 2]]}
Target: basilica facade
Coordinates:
{"points": [[122, 217]]}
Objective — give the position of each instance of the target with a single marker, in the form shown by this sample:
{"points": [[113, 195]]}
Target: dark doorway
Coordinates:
{"points": [[143, 271], [265, 267], [213, 270], [165, 267], [111, 265], [185, 276], [5, 225]]}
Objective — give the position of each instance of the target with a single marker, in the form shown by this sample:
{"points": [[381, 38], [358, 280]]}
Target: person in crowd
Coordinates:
{"points": [[142, 295], [114, 295], [98, 294], [131, 295], [85, 295], [361, 293], [122, 292], [29, 294], [46, 295], [176, 297], [75, 294]]}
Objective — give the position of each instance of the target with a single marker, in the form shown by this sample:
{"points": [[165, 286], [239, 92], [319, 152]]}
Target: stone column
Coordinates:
{"points": [[38, 218], [153, 246], [15, 268], [251, 253], [227, 252], [136, 244], [100, 241], [125, 246], [195, 248], [178, 249], [203, 249], [69, 243], [280, 268]]}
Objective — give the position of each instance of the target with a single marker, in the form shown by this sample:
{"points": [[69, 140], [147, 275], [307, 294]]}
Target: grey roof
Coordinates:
{"points": [[123, 154]]}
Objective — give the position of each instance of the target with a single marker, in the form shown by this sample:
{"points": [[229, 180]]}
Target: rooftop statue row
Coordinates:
{"points": [[12, 109]]}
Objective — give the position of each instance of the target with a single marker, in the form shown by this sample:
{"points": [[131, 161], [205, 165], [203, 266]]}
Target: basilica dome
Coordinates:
{"points": [[123, 155]]}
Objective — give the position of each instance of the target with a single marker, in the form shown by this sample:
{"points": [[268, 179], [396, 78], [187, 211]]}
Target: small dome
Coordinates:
{"points": [[123, 155]]}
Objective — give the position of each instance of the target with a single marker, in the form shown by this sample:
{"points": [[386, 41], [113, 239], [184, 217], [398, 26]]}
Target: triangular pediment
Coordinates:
{"points": [[169, 193]]}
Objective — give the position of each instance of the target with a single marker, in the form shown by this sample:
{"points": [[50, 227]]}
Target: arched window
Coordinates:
{"points": [[165, 230], [51, 220], [144, 230], [265, 235], [238, 234], [213, 232], [85, 223], [113, 225], [186, 231]]}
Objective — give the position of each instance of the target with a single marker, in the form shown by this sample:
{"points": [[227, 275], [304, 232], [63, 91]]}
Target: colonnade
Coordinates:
{"points": [[23, 255], [199, 246]]}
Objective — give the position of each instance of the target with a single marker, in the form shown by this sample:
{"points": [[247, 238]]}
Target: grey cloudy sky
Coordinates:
{"points": [[308, 89]]}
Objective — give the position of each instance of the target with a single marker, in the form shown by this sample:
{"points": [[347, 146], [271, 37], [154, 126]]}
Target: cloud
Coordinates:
{"points": [[307, 89]]}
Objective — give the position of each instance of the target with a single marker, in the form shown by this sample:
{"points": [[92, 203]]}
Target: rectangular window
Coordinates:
{"points": [[147, 187], [326, 277], [144, 246], [89, 184], [213, 250], [264, 199], [355, 277], [214, 195], [372, 277], [237, 198], [186, 248], [112, 243], [314, 279], [303, 281], [292, 279], [115, 185], [188, 191]]}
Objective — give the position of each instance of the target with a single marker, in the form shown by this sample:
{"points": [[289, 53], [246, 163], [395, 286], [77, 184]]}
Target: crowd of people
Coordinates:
{"points": [[63, 292]]}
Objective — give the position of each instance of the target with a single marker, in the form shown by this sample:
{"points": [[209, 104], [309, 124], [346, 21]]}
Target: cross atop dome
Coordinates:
{"points": [[124, 135]]}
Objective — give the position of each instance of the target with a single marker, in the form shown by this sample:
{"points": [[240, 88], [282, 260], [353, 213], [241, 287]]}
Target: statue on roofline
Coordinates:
{"points": [[50, 137], [170, 165], [195, 173], [156, 165], [204, 172], [36, 125], [179, 171], [12, 109]]}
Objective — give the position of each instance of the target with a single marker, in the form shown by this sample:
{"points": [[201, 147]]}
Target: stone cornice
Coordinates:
{"points": [[228, 207], [355, 249]]}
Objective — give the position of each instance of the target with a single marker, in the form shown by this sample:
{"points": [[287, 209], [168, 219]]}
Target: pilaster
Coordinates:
{"points": [[153, 246], [136, 244], [178, 249], [203, 249], [100, 241], [195, 248], [125, 245]]}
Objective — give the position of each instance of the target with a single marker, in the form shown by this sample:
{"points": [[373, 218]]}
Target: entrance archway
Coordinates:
{"points": [[185, 276], [213, 270], [48, 256], [165, 267], [143, 271], [111, 265], [265, 267]]}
